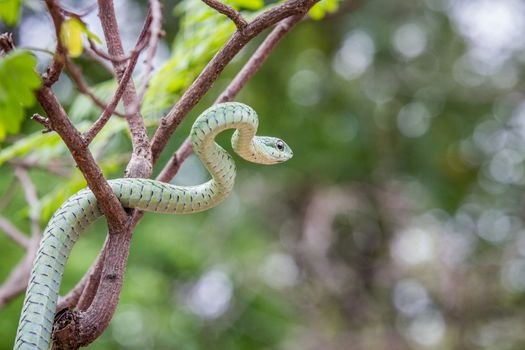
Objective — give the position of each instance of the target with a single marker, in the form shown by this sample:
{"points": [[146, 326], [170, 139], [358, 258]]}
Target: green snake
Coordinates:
{"points": [[80, 210]]}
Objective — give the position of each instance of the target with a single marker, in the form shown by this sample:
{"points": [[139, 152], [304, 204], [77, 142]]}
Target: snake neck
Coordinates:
{"points": [[218, 161]]}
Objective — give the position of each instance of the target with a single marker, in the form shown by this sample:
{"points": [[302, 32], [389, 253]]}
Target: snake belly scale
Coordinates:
{"points": [[80, 210]]}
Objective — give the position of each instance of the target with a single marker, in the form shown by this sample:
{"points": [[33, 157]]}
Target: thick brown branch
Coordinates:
{"points": [[215, 67], [140, 164], [231, 13], [76, 75]]}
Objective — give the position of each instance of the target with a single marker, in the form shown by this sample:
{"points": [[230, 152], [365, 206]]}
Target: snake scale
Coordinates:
{"points": [[80, 210]]}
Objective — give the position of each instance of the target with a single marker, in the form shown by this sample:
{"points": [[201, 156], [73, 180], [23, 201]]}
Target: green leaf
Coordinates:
{"points": [[322, 8], [9, 11], [71, 36], [18, 80], [246, 4]]}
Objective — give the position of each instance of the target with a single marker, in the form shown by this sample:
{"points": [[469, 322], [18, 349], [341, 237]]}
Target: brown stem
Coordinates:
{"points": [[76, 74], [106, 56], [231, 13], [42, 121], [121, 88], [140, 163]]}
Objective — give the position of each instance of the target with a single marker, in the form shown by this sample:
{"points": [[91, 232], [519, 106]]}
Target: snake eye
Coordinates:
{"points": [[280, 145]]}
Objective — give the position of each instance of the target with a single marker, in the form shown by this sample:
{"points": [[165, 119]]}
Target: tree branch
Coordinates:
{"points": [[121, 88], [76, 75], [106, 56], [42, 121], [228, 11], [140, 164], [215, 67]]}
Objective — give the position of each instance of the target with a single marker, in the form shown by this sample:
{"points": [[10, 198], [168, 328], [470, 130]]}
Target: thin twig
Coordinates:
{"points": [[42, 121], [140, 164], [123, 83], [154, 38], [80, 13], [76, 74], [31, 198], [14, 233], [51, 167], [103, 62], [100, 53], [228, 11]]}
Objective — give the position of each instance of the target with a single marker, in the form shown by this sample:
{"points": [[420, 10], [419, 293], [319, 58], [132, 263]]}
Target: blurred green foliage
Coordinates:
{"points": [[9, 11], [398, 224], [18, 83]]}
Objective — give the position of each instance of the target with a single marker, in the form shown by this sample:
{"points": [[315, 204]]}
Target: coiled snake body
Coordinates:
{"points": [[80, 210]]}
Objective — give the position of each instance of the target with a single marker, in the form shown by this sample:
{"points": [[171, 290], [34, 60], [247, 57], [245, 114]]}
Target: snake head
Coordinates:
{"points": [[272, 149]]}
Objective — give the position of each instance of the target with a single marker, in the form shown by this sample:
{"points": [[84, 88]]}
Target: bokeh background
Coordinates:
{"points": [[398, 224]]}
